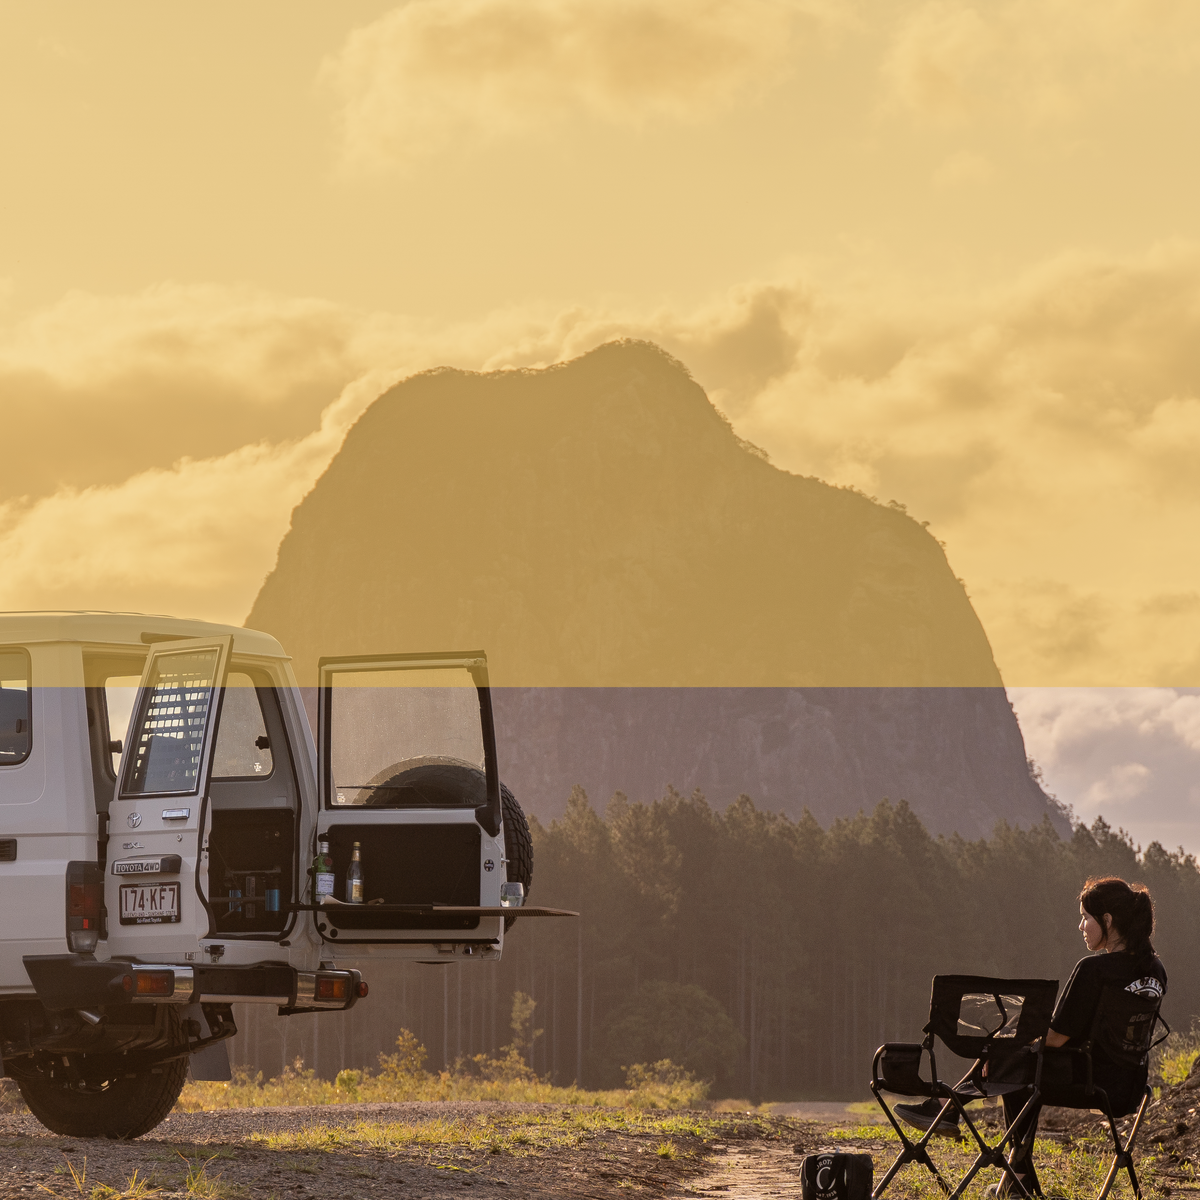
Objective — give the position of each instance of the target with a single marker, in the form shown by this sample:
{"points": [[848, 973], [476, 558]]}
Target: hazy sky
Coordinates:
{"points": [[946, 252]]}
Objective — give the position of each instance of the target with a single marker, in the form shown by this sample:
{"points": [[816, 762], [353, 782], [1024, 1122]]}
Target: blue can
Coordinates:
{"points": [[272, 899]]}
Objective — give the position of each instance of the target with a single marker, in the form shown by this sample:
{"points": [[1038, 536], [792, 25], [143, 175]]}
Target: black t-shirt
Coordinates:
{"points": [[1140, 973]]}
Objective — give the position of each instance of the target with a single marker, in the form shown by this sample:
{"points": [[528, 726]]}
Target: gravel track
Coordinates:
{"points": [[235, 1125], [606, 1165]]}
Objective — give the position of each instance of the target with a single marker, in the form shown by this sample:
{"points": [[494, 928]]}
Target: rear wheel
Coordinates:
{"points": [[84, 1103], [518, 844]]}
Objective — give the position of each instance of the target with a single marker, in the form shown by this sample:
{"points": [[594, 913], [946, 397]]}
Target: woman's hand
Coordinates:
{"points": [[1054, 1039]]}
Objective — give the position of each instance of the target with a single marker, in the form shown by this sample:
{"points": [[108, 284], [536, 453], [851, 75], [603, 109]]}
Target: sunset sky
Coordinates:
{"points": [[948, 253]]}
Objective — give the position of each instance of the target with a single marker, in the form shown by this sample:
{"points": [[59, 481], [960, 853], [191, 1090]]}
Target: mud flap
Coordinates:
{"points": [[210, 1065]]}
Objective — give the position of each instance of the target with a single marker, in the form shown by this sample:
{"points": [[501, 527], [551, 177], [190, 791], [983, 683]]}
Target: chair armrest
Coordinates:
{"points": [[896, 1068]]}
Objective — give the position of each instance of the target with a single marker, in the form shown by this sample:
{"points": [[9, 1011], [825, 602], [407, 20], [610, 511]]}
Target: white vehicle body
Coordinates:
{"points": [[146, 886]]}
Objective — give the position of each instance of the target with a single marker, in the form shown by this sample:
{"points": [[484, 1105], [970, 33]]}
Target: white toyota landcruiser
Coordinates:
{"points": [[161, 802]]}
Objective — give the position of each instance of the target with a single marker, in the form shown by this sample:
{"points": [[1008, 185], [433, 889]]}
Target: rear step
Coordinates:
{"points": [[64, 981]]}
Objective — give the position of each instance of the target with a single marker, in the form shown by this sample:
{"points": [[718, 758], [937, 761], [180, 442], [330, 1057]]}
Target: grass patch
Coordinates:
{"points": [[402, 1076], [864, 1133], [205, 1185], [137, 1187], [518, 1135], [1174, 1058], [1074, 1169]]}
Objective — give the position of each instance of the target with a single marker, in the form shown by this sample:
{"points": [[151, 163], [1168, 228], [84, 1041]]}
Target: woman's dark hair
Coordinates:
{"points": [[1128, 904]]}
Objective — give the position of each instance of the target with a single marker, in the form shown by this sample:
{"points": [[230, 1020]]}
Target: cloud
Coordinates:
{"points": [[930, 65], [1047, 430], [97, 388], [1129, 754], [1047, 61], [194, 539], [1124, 782], [964, 169], [432, 72]]}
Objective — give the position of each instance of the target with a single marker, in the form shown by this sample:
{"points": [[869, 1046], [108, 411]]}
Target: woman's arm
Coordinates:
{"points": [[1054, 1039]]}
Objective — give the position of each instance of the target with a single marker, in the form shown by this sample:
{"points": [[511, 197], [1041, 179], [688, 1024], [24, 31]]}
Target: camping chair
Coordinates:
{"points": [[999, 1024], [1123, 1029]]}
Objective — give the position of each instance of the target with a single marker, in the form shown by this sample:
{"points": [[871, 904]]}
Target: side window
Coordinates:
{"points": [[120, 691], [110, 685], [243, 749], [16, 707]]}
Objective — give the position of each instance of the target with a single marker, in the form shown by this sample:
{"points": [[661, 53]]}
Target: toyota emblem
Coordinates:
{"points": [[135, 819]]}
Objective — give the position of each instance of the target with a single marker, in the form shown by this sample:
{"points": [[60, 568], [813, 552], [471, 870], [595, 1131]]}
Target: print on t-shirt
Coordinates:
{"points": [[1148, 986]]}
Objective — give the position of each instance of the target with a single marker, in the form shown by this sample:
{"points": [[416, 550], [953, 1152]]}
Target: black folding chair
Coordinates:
{"points": [[1123, 1032], [998, 1023]]}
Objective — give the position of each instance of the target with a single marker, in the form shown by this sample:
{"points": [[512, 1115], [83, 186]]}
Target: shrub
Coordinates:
{"points": [[679, 1022]]}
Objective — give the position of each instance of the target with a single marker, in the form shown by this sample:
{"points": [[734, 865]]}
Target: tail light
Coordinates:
{"points": [[85, 906]]}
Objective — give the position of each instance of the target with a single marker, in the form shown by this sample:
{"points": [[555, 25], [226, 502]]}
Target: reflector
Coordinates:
{"points": [[155, 983], [331, 989]]}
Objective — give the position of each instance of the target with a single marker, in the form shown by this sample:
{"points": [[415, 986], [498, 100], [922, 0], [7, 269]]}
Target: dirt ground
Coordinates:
{"points": [[254, 1153], [429, 1151]]}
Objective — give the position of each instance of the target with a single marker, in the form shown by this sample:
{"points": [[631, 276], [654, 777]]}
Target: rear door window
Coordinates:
{"points": [[243, 748], [406, 738], [165, 749], [16, 707]]}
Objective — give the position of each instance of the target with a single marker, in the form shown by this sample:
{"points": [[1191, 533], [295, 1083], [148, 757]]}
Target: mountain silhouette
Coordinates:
{"points": [[659, 604]]}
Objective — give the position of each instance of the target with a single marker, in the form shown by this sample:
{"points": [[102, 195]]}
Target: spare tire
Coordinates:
{"points": [[518, 845]]}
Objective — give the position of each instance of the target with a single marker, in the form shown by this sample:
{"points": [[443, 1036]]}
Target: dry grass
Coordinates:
{"points": [[402, 1077], [518, 1135], [136, 1186]]}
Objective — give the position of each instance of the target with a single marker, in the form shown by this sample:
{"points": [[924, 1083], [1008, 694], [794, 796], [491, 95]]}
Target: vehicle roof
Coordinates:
{"points": [[128, 629]]}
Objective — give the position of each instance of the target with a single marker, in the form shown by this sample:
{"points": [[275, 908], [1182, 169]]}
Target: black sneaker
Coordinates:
{"points": [[922, 1116]]}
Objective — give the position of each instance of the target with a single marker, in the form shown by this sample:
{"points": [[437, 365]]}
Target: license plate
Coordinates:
{"points": [[149, 903]]}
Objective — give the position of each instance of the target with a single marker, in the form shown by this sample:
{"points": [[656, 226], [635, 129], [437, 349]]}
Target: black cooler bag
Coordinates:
{"points": [[836, 1176]]}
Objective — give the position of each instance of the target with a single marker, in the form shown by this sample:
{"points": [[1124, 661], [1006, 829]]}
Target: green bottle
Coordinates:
{"points": [[322, 872]]}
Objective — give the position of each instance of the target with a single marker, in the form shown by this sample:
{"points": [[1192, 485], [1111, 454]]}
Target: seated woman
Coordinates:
{"points": [[1117, 922]]}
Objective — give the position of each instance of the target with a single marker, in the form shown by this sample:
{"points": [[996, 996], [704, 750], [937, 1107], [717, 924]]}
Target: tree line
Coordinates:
{"points": [[768, 954]]}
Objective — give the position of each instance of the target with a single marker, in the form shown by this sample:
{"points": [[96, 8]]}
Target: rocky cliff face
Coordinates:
{"points": [[666, 606], [955, 754]]}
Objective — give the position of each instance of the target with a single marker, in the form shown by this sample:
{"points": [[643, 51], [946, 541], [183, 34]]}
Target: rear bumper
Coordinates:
{"points": [[64, 981]]}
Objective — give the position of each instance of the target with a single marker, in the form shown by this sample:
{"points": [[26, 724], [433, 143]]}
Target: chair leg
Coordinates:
{"points": [[1133, 1179], [910, 1151], [992, 1156], [1111, 1178], [1124, 1153]]}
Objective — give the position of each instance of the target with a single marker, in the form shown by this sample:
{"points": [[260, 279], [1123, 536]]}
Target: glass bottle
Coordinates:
{"points": [[354, 877], [322, 872]]}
